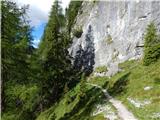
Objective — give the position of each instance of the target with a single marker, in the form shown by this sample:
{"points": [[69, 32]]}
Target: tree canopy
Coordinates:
{"points": [[151, 45]]}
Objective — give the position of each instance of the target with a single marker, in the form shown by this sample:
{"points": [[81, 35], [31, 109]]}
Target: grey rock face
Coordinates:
{"points": [[117, 30]]}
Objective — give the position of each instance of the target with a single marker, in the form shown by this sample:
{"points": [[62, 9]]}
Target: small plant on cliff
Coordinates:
{"points": [[78, 32], [151, 45], [101, 69], [115, 55], [94, 1], [109, 39]]}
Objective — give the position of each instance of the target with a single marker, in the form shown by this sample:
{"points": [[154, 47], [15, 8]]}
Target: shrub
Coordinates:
{"points": [[151, 45], [101, 69], [78, 32], [26, 94], [72, 11], [109, 39], [21, 101], [94, 1], [115, 55]]}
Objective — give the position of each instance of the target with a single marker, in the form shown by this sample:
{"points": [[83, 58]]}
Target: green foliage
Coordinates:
{"points": [[78, 109], [71, 13], [101, 69], [55, 61], [109, 40], [68, 98], [101, 81], [131, 83], [151, 45], [115, 55], [119, 86], [16, 42], [21, 101], [66, 89], [35, 78], [95, 1], [16, 51], [127, 65], [82, 87], [98, 117], [25, 93], [78, 32]]}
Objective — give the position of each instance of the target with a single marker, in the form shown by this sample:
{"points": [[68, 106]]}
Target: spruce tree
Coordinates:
{"points": [[71, 13], [16, 51], [151, 45], [16, 40], [56, 62]]}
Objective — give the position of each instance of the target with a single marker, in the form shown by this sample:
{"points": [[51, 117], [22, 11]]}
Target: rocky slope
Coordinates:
{"points": [[113, 31]]}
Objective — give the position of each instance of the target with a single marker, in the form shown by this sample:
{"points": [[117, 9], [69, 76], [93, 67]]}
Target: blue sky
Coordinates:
{"points": [[37, 33], [38, 15]]}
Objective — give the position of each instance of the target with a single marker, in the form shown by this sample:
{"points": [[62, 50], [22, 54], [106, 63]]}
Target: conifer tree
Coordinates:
{"points": [[16, 40], [151, 45], [56, 60], [71, 13], [16, 48]]}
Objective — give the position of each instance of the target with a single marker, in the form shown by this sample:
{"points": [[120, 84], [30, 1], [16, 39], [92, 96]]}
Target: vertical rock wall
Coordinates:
{"points": [[117, 30]]}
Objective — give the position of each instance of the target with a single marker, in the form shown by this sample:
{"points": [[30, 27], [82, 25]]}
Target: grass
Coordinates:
{"points": [[98, 117], [78, 108], [101, 81], [60, 108], [101, 69], [131, 83]]}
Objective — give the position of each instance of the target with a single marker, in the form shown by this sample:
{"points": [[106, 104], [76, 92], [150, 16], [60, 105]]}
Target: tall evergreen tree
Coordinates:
{"points": [[151, 45], [33, 79], [71, 13], [55, 58], [16, 45]]}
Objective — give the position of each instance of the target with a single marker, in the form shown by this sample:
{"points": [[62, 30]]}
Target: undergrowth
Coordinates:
{"points": [[79, 107]]}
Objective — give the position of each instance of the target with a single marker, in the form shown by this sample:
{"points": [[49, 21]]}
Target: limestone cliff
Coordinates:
{"points": [[113, 31]]}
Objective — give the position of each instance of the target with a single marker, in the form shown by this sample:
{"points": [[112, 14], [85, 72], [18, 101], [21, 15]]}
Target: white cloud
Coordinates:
{"points": [[39, 9], [36, 43], [65, 3]]}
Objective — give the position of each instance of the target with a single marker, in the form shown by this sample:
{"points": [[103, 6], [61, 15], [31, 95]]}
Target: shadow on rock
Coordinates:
{"points": [[84, 58]]}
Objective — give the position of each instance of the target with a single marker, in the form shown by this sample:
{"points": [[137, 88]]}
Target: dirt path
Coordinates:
{"points": [[122, 111]]}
